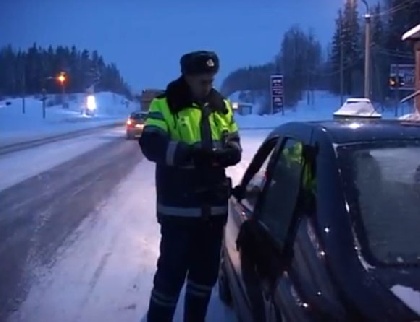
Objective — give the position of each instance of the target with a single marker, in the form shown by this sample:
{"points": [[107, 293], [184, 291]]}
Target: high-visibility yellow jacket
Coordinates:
{"points": [[174, 125]]}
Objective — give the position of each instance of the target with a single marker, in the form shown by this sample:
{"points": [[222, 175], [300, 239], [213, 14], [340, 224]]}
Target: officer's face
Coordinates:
{"points": [[201, 85]]}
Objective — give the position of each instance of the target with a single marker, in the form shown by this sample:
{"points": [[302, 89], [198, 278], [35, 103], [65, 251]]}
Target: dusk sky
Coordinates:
{"points": [[146, 38]]}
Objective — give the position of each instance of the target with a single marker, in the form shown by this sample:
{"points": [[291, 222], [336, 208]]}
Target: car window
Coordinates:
{"points": [[138, 116], [281, 195], [387, 186], [256, 183]]}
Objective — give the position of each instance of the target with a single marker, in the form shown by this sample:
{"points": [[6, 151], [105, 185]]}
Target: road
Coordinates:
{"points": [[78, 234], [40, 212]]}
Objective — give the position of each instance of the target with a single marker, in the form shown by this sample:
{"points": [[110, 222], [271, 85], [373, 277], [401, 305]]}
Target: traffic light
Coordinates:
{"points": [[393, 82], [401, 81]]}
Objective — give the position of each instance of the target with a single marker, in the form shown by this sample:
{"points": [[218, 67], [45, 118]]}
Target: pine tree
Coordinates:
{"points": [[380, 62], [402, 16], [352, 49], [346, 51], [30, 71], [335, 54]]}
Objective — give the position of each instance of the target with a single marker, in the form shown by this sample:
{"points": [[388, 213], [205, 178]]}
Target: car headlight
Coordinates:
{"points": [[91, 103]]}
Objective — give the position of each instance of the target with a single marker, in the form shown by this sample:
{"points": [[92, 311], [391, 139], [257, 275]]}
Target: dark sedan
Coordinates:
{"points": [[347, 249]]}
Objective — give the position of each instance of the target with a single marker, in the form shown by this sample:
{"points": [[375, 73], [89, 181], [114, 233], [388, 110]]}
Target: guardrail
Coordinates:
{"points": [[19, 146]]}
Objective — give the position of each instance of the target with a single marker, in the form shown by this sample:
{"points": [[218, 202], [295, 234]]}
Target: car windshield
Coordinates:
{"points": [[383, 182], [138, 116]]}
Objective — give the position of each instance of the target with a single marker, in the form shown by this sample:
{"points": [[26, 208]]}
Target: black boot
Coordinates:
{"points": [[195, 308]]}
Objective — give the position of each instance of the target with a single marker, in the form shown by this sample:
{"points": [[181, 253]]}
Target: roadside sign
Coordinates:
{"points": [[277, 95], [404, 76]]}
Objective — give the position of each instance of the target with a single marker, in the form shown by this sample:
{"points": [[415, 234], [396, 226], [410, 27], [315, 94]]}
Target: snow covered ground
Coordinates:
{"points": [[17, 126], [322, 108], [17, 167], [105, 269]]}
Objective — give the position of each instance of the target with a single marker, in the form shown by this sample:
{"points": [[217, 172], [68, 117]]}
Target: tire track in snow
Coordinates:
{"points": [[106, 273], [40, 213]]}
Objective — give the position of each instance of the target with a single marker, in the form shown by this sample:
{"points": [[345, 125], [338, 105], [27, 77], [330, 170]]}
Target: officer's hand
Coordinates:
{"points": [[202, 157], [225, 157], [214, 157]]}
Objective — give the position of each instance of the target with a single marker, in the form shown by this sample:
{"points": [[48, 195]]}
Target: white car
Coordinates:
{"points": [[360, 107]]}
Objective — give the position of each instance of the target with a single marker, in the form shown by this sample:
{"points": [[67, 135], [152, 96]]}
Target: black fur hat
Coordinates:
{"points": [[199, 62]]}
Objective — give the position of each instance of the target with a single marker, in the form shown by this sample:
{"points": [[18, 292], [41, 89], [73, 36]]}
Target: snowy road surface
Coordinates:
{"points": [[78, 234], [19, 166]]}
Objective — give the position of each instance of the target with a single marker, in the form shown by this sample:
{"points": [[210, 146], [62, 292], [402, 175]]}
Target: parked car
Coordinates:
{"points": [[347, 249], [134, 125]]}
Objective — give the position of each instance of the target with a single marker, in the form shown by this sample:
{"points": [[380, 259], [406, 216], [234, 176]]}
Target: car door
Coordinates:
{"points": [[265, 228], [241, 211], [277, 211], [276, 218]]}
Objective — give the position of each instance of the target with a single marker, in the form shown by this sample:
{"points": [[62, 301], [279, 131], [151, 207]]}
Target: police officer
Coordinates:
{"points": [[191, 135]]}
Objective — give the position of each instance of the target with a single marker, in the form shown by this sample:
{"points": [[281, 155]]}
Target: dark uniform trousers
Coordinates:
{"points": [[189, 249]]}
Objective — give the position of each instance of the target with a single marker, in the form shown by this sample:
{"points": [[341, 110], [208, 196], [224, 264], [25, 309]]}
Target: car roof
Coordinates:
{"points": [[342, 131]]}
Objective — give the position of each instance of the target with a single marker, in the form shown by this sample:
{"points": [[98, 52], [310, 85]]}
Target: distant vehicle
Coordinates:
{"points": [[89, 107], [134, 125], [363, 107], [347, 250]]}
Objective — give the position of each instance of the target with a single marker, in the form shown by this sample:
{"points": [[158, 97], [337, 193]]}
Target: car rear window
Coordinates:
{"points": [[138, 116], [386, 187]]}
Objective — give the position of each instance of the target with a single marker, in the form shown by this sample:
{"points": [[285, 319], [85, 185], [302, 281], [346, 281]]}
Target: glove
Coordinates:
{"points": [[214, 158], [202, 157], [226, 157]]}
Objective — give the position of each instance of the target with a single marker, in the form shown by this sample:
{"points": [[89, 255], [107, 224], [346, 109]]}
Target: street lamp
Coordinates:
{"points": [[367, 68], [62, 79]]}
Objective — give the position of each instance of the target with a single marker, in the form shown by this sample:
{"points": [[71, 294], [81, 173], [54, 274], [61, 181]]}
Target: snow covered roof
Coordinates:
{"points": [[410, 117], [357, 107], [413, 33]]}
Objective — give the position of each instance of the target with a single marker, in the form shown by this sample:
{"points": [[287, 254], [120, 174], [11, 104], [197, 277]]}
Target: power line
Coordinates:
{"points": [[399, 7], [390, 53]]}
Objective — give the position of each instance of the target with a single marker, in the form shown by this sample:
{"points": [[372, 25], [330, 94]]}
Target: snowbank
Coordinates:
{"points": [[410, 117], [20, 122], [322, 108], [256, 98]]}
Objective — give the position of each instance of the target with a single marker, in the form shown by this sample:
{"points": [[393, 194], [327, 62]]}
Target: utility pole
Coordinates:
{"points": [[23, 92], [44, 102], [397, 90], [417, 74], [367, 76], [341, 62]]}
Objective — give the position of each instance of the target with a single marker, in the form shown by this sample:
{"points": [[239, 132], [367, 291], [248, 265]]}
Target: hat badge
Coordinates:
{"points": [[210, 63]]}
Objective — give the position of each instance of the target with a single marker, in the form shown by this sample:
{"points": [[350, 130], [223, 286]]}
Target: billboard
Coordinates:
{"points": [[403, 74], [276, 91]]}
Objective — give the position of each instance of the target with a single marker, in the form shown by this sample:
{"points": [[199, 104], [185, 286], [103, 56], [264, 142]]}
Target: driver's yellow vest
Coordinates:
{"points": [[294, 154]]}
